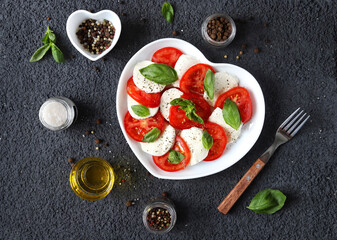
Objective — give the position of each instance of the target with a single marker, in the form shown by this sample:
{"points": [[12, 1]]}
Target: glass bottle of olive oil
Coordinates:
{"points": [[92, 178]]}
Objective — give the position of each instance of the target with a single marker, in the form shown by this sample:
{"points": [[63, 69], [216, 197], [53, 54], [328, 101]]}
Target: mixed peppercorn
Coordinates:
{"points": [[219, 29], [96, 36], [159, 218]]}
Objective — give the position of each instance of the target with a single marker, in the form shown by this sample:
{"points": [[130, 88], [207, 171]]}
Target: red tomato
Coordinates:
{"points": [[150, 100], [163, 163], [137, 128], [177, 116], [168, 55], [219, 140], [193, 79], [241, 97]]}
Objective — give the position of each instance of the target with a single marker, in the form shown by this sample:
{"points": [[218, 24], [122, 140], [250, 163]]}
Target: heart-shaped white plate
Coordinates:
{"points": [[76, 18], [233, 152]]}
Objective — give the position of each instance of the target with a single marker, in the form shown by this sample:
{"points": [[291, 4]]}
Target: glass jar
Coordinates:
{"points": [[209, 40], [92, 178], [58, 113], [166, 204]]}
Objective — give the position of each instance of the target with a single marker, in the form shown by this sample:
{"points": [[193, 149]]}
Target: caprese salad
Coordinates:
{"points": [[182, 111]]}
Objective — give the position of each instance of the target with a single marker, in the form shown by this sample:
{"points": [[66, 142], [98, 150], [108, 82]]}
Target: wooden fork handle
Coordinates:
{"points": [[240, 187]]}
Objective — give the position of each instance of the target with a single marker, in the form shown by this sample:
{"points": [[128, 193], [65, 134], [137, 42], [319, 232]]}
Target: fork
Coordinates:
{"points": [[284, 133]]}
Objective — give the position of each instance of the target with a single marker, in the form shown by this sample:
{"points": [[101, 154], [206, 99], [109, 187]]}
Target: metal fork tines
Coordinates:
{"points": [[294, 123]]}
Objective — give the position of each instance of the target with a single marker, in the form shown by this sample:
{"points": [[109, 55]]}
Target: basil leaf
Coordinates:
{"points": [[52, 37], [39, 53], [175, 157], [195, 117], [168, 12], [49, 36], [231, 114], [57, 54], [209, 84], [152, 135], [189, 107], [160, 73], [181, 101], [207, 140], [267, 201], [140, 110]]}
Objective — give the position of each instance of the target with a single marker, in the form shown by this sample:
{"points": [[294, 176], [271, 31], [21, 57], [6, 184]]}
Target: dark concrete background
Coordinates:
{"points": [[297, 68]]}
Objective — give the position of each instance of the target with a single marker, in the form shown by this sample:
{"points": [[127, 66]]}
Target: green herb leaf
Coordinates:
{"points": [[207, 140], [231, 114], [182, 102], [168, 12], [57, 54], [160, 73], [209, 84], [140, 110], [152, 135], [49, 36], [39, 53], [175, 157], [189, 108], [267, 201]]}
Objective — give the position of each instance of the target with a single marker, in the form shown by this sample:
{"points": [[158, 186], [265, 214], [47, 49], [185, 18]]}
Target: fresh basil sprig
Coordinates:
{"points": [[49, 41], [175, 157], [189, 108], [267, 201], [160, 73], [140, 110], [168, 12], [209, 84], [207, 140], [152, 135], [231, 114]]}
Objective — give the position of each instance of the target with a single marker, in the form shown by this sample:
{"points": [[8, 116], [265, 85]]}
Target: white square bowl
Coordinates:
{"points": [[77, 17]]}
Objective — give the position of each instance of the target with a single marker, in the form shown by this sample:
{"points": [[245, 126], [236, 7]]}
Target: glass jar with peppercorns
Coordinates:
{"points": [[218, 30], [159, 216]]}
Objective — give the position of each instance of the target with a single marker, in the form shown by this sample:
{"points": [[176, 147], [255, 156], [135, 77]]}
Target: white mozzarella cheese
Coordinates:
{"points": [[231, 133], [223, 82], [193, 139], [165, 100], [144, 83], [132, 102], [162, 145], [182, 65]]}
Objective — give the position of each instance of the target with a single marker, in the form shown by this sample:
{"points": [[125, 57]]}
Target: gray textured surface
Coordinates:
{"points": [[297, 68]]}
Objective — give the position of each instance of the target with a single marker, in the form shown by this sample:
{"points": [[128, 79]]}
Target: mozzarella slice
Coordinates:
{"points": [[193, 139], [165, 100], [231, 133], [223, 82], [182, 65], [162, 145], [132, 102], [144, 83]]}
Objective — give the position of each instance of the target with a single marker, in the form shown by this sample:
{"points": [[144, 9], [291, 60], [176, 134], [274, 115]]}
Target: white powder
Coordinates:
{"points": [[54, 114]]}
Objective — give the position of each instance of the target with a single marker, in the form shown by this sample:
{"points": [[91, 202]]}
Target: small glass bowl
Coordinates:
{"points": [[212, 42], [70, 108], [160, 203]]}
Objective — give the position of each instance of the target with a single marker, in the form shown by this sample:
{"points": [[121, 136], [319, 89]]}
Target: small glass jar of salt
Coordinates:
{"points": [[58, 113]]}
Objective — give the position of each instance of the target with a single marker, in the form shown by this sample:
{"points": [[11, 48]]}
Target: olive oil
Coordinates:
{"points": [[92, 178]]}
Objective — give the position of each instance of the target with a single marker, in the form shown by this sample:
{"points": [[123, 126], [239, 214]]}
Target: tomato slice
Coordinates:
{"points": [[150, 100], [180, 146], [167, 55], [137, 128], [177, 116], [193, 79], [241, 97], [219, 141]]}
